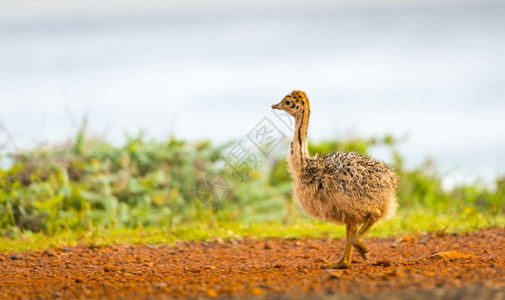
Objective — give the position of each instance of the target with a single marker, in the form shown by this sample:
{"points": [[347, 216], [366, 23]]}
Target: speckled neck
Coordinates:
{"points": [[299, 152]]}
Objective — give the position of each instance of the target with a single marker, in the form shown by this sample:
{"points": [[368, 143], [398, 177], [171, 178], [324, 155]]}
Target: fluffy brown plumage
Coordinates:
{"points": [[343, 187]]}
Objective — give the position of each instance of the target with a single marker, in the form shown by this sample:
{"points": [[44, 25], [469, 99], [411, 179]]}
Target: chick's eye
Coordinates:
{"points": [[287, 102]]}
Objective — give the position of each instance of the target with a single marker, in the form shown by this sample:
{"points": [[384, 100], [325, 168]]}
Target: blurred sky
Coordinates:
{"points": [[430, 70]]}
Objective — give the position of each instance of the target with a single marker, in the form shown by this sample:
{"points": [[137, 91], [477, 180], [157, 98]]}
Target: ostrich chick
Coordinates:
{"points": [[343, 187]]}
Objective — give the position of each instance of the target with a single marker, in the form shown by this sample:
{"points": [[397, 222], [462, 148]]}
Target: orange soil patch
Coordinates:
{"points": [[268, 268]]}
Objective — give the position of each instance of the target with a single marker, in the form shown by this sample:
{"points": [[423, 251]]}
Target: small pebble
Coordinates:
{"points": [[211, 293]]}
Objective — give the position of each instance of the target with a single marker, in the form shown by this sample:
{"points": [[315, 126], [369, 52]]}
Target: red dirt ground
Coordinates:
{"points": [[275, 268]]}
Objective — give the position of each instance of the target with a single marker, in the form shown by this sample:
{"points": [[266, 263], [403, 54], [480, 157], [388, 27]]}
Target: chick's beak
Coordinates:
{"points": [[275, 106]]}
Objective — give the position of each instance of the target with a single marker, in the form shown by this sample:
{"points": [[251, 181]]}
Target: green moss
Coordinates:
{"points": [[403, 224]]}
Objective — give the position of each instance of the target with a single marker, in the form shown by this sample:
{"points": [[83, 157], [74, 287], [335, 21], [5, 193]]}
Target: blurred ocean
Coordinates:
{"points": [[432, 71]]}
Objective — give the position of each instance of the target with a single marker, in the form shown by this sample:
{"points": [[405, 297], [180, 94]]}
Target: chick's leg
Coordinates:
{"points": [[346, 258], [357, 239]]}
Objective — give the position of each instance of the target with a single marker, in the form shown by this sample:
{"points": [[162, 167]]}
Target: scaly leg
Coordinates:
{"points": [[346, 258], [357, 239]]}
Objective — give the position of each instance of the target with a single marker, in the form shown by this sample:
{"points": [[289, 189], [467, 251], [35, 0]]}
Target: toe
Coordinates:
{"points": [[338, 265]]}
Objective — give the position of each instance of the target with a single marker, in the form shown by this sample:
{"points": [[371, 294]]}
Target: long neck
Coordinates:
{"points": [[298, 151]]}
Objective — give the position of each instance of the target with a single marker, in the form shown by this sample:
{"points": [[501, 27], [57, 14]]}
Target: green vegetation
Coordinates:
{"points": [[93, 193]]}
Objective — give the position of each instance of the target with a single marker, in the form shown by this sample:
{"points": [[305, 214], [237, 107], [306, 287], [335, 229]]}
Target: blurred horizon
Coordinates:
{"points": [[430, 70]]}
